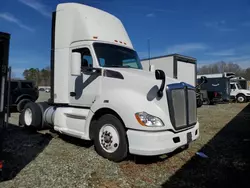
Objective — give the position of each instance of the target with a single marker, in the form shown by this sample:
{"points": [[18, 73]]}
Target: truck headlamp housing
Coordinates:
{"points": [[148, 120]]}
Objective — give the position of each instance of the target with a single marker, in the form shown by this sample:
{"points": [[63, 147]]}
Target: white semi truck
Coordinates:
{"points": [[100, 92]]}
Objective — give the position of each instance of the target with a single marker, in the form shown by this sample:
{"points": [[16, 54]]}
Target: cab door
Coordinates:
{"points": [[84, 88], [233, 89]]}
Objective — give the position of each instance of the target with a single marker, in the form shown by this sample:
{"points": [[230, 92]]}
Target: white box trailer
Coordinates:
{"points": [[176, 66]]}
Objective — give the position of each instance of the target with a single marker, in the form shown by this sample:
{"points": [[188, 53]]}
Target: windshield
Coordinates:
{"points": [[110, 55], [239, 86]]}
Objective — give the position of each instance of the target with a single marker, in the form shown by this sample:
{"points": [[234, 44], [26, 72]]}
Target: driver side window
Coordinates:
{"points": [[86, 58], [233, 86]]}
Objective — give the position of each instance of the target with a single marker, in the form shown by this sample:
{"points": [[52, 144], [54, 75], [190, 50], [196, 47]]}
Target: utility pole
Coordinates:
{"points": [[149, 51]]}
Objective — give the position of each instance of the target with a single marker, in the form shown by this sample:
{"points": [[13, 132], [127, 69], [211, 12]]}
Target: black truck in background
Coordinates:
{"points": [[22, 92], [205, 95], [217, 88]]}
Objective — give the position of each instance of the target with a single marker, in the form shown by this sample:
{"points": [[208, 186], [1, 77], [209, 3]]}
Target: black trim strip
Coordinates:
{"points": [[68, 105], [52, 57], [112, 74], [175, 73], [170, 130], [186, 101], [75, 116]]}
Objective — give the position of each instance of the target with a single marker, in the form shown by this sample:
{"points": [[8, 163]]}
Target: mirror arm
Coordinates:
{"points": [[160, 91]]}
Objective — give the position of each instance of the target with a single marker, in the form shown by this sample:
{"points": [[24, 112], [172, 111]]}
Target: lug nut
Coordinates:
{"points": [[115, 145]]}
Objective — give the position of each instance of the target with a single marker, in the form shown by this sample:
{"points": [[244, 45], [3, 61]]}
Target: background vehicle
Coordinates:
{"points": [[211, 97], [4, 57], [218, 83], [47, 90], [22, 92], [99, 91], [239, 94], [199, 96], [242, 81], [227, 85]]}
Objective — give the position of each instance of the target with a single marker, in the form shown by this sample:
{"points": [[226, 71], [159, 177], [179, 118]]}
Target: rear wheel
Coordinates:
{"points": [[241, 98], [21, 104], [32, 115], [110, 138]]}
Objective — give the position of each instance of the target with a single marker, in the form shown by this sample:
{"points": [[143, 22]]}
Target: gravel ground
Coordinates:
{"points": [[46, 159]]}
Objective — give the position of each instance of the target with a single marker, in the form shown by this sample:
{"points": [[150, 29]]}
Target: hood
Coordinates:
{"points": [[244, 91], [142, 75]]}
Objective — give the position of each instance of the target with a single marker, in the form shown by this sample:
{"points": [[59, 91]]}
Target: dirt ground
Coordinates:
{"points": [[47, 159]]}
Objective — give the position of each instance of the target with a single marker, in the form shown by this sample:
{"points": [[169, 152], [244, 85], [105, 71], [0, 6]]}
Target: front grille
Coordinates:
{"points": [[182, 105]]}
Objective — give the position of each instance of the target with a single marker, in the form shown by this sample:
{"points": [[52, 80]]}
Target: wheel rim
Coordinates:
{"points": [[28, 116], [240, 99], [109, 138]]}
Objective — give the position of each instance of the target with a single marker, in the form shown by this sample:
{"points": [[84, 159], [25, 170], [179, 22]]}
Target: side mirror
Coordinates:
{"points": [[203, 79], [151, 68], [159, 74], [76, 64]]}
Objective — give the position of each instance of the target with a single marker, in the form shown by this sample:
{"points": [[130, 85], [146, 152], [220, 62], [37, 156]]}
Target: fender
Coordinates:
{"points": [[97, 106], [240, 94], [24, 96]]}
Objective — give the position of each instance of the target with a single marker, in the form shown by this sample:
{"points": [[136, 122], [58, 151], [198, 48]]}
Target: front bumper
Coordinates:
{"points": [[158, 143]]}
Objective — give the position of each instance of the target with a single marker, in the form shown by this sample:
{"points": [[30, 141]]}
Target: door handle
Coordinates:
{"points": [[72, 94]]}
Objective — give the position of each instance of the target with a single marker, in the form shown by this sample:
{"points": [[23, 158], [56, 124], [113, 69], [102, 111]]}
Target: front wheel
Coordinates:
{"points": [[241, 98], [110, 138]]}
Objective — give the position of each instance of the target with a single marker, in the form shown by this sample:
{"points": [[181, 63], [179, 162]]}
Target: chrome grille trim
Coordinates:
{"points": [[174, 104]]}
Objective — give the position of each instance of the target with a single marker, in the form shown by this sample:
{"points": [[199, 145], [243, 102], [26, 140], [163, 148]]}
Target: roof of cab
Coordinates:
{"points": [[77, 22]]}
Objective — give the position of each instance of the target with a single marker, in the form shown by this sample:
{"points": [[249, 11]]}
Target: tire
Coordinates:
{"points": [[43, 106], [21, 104], [241, 98], [199, 103], [117, 144], [21, 119], [32, 115]]}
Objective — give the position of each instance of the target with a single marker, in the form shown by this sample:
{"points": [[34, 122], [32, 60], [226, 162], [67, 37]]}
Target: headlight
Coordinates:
{"points": [[148, 120]]}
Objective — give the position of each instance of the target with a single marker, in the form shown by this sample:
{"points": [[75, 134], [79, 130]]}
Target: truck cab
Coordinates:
{"points": [[239, 94], [100, 92]]}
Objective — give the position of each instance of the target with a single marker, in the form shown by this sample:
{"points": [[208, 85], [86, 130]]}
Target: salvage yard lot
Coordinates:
{"points": [[50, 160]]}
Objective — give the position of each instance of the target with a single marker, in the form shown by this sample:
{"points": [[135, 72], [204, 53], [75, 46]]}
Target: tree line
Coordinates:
{"points": [[222, 66], [40, 76]]}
